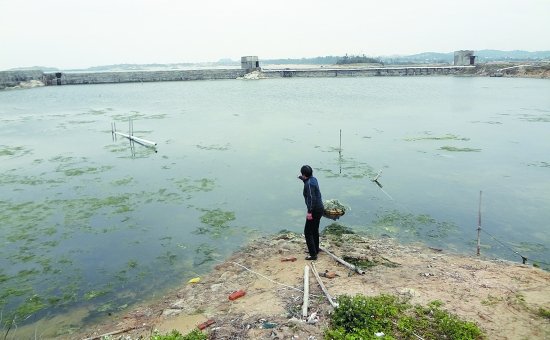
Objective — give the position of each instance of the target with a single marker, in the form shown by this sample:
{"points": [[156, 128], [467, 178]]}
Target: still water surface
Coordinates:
{"points": [[89, 224]]}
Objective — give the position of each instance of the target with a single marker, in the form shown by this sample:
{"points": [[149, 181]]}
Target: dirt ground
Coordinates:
{"points": [[501, 297]]}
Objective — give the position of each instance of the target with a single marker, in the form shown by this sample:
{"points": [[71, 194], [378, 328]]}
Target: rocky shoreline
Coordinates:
{"points": [[504, 299]]}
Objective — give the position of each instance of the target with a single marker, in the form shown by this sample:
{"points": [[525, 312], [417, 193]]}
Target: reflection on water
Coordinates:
{"points": [[93, 225]]}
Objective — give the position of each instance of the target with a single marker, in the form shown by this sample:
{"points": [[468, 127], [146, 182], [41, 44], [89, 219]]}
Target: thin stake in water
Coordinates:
{"points": [[340, 141], [340, 152], [375, 180], [479, 225]]}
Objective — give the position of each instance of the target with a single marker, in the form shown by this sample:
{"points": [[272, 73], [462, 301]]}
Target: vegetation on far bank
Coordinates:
{"points": [[356, 59]]}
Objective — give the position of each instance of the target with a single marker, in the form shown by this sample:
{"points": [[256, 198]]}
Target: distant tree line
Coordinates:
{"points": [[357, 59]]}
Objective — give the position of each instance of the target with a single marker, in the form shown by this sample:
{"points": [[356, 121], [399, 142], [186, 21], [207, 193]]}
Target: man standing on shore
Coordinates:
{"points": [[315, 209]]}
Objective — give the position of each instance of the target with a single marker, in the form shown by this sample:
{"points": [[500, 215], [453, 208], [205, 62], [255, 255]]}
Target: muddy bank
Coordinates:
{"points": [[503, 298], [511, 70]]}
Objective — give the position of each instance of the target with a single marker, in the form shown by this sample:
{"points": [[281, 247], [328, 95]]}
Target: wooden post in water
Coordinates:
{"points": [[306, 292], [340, 143], [479, 225], [340, 152]]}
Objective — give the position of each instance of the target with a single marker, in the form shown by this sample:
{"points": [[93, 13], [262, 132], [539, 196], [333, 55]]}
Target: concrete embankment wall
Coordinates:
{"points": [[362, 72], [14, 78], [61, 78]]}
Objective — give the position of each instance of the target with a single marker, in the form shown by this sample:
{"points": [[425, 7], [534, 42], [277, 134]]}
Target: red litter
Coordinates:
{"points": [[206, 324], [236, 295]]}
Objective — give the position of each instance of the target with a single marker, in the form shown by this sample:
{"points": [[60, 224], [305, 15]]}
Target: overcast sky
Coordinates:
{"points": [[82, 33]]}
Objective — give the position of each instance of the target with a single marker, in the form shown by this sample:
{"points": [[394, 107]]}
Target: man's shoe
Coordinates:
{"points": [[311, 258]]}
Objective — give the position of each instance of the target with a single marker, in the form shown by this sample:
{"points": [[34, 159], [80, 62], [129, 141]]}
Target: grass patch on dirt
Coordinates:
{"points": [[388, 317]]}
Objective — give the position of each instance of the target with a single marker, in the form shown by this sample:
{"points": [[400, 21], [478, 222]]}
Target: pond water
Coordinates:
{"points": [[90, 225]]}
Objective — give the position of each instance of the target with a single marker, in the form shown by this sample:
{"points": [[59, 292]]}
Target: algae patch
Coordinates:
{"points": [[535, 118], [336, 229], [13, 151], [200, 185], [430, 137], [417, 226], [215, 222], [540, 164], [347, 167], [455, 149], [216, 147]]}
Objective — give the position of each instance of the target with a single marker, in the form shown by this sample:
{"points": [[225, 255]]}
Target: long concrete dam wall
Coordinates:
{"points": [[363, 72], [60, 78], [22, 78], [16, 78]]}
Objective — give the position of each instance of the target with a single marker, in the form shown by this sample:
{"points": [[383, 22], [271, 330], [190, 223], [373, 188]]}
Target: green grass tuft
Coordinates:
{"points": [[363, 317]]}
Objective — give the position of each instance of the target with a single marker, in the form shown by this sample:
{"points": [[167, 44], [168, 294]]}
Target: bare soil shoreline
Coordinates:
{"points": [[502, 298]]}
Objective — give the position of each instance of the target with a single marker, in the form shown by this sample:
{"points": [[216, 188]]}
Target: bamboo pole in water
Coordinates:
{"points": [[137, 139]]}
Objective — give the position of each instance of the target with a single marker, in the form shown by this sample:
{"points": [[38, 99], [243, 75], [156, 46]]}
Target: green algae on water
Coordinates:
{"points": [[93, 294], [188, 185], [540, 164], [531, 247], [117, 148], [13, 151], [416, 226], [215, 222], [96, 112], [216, 147], [217, 217], [135, 115], [122, 181], [85, 170], [12, 178], [347, 167], [205, 253], [535, 118], [31, 305], [168, 257], [443, 137], [337, 229], [79, 122]]}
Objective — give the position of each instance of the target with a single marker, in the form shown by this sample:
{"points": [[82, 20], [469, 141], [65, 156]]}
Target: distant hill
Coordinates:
{"points": [[35, 68], [516, 55], [483, 56], [420, 58]]}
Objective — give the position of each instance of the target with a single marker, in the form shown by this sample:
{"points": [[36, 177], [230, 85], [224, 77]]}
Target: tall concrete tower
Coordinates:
{"points": [[464, 58], [250, 63]]}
